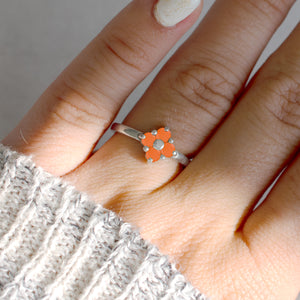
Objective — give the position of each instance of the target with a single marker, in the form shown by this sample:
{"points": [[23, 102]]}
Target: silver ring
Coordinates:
{"points": [[158, 144]]}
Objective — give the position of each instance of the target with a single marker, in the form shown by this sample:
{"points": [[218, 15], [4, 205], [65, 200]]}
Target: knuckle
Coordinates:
{"points": [[204, 88], [279, 6], [283, 98], [271, 7], [134, 53], [74, 108]]}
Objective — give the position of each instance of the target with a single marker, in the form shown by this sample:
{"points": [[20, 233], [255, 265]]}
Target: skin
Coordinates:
{"points": [[241, 137]]}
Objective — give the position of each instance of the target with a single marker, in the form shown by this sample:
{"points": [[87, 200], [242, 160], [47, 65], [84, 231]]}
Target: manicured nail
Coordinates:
{"points": [[170, 12]]}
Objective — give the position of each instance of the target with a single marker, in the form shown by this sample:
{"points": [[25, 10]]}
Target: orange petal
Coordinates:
{"points": [[163, 135], [149, 140], [168, 150], [154, 154]]}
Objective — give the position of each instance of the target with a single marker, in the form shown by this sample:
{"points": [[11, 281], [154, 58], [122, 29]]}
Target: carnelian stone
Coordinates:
{"points": [[154, 154], [168, 150], [163, 135], [149, 140]]}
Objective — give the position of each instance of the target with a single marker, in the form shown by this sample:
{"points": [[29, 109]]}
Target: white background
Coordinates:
{"points": [[39, 38]]}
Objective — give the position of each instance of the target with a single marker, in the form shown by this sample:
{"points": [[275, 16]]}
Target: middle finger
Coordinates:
{"points": [[200, 83]]}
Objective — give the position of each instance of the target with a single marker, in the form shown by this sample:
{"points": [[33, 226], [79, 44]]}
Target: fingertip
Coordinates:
{"points": [[170, 13]]}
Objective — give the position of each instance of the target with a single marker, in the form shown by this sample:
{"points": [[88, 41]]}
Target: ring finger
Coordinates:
{"points": [[195, 89]]}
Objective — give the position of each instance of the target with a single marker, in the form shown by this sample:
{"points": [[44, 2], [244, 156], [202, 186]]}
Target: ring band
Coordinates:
{"points": [[157, 144]]}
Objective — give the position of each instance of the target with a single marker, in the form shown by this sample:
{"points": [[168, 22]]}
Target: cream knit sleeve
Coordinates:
{"points": [[57, 244]]}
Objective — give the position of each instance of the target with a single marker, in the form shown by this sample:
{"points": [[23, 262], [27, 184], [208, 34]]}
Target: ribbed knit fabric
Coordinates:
{"points": [[57, 244]]}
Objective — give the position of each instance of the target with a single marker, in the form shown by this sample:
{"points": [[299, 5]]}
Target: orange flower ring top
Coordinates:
{"points": [[158, 144]]}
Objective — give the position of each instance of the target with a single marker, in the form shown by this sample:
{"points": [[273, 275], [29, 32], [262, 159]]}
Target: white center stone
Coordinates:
{"points": [[158, 144]]}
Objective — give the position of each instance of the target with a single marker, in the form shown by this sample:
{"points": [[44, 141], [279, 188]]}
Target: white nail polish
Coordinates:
{"points": [[170, 12]]}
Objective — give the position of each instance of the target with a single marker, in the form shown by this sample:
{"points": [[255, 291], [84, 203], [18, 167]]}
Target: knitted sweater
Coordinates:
{"points": [[55, 243]]}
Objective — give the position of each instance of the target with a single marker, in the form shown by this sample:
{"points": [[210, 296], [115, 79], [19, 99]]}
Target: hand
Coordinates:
{"points": [[240, 137]]}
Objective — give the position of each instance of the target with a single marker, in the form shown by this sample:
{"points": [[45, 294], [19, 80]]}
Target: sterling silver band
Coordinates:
{"points": [[139, 136]]}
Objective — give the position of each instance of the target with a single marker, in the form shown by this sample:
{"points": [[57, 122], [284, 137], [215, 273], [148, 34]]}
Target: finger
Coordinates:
{"points": [[258, 138], [65, 124], [272, 232], [200, 83]]}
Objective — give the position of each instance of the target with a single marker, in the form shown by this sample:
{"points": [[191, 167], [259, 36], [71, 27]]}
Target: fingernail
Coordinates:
{"points": [[170, 12]]}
